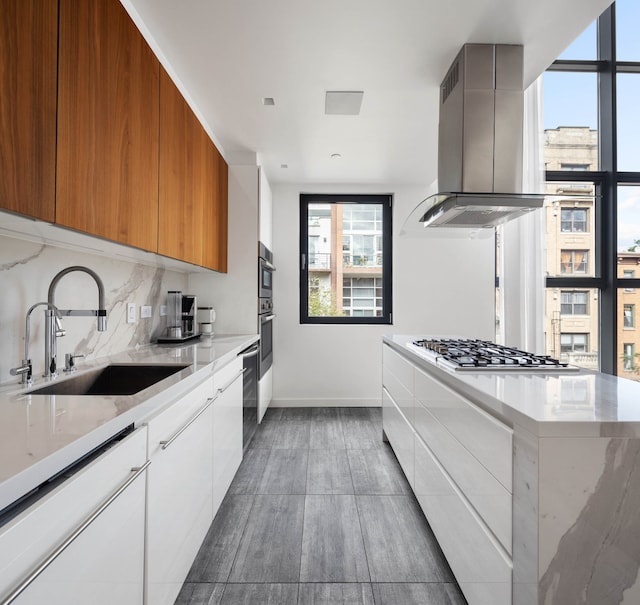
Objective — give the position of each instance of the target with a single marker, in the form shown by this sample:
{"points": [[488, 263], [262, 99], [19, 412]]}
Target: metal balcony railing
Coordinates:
{"points": [[320, 260], [361, 260]]}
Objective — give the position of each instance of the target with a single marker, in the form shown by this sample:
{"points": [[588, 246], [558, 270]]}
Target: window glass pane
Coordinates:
{"points": [[628, 345], [628, 225], [627, 21], [344, 273], [570, 120], [628, 119], [584, 47], [570, 230], [571, 325]]}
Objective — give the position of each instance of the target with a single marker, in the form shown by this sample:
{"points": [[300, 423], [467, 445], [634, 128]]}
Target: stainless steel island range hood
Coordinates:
{"points": [[480, 142]]}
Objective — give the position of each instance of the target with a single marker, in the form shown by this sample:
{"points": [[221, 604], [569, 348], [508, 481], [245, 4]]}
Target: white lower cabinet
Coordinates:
{"points": [[180, 491], [85, 537], [227, 428], [482, 569], [400, 435], [458, 460]]}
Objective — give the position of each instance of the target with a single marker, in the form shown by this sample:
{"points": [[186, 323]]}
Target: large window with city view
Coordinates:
{"points": [[345, 252], [592, 162]]}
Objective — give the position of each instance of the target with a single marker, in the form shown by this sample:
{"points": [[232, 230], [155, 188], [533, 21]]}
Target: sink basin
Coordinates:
{"points": [[116, 379]]}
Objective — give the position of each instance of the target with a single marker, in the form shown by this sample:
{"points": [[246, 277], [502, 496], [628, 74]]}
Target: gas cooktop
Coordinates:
{"points": [[462, 354]]}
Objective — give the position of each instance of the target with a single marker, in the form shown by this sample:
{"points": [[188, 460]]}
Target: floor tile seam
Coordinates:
{"points": [[364, 544], [244, 529]]}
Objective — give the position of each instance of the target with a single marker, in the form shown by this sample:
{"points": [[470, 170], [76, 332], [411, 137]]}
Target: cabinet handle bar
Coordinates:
{"points": [[167, 442]]}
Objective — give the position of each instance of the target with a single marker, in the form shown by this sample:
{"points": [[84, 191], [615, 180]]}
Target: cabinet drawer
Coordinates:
{"points": [[488, 439], [400, 435], [103, 564], [227, 429], [482, 570], [397, 378], [489, 497], [170, 420]]}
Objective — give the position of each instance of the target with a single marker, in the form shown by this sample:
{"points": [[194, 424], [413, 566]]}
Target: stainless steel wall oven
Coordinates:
{"points": [[265, 308]]}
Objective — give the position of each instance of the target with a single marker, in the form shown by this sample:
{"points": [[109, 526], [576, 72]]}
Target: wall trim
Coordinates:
{"points": [[299, 402]]}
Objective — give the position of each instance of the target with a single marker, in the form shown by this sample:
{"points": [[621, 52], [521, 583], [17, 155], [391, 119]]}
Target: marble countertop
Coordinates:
{"points": [[42, 434], [556, 404]]}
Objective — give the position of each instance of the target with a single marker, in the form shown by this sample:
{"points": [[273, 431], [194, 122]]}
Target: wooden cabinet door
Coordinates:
{"points": [[193, 186], [214, 253], [28, 57], [108, 98], [181, 188]]}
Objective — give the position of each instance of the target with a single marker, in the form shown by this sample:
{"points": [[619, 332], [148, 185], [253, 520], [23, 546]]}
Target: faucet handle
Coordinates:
{"points": [[69, 363], [25, 371]]}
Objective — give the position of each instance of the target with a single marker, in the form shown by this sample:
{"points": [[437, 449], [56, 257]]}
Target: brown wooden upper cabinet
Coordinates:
{"points": [[28, 57], [193, 200], [108, 103]]}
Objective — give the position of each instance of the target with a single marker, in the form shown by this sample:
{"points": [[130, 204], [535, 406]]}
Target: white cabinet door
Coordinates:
{"points": [[227, 429], [179, 501], [400, 435], [102, 563]]}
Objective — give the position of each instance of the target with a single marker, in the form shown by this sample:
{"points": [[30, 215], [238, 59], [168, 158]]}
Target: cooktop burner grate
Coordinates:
{"points": [[462, 354]]}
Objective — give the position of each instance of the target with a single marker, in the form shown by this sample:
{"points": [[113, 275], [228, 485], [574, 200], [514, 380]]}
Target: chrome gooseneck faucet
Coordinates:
{"points": [[52, 325]]}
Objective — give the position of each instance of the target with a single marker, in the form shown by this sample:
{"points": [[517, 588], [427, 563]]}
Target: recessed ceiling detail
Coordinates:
{"points": [[268, 101], [343, 103]]}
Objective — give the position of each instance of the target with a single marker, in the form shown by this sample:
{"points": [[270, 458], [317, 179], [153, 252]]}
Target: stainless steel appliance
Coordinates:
{"points": [[265, 271], [473, 355], [265, 307], [249, 393], [182, 324], [265, 320], [479, 143]]}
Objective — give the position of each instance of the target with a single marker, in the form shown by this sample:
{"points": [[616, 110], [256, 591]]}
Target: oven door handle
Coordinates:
{"points": [[267, 264], [264, 320], [250, 352]]}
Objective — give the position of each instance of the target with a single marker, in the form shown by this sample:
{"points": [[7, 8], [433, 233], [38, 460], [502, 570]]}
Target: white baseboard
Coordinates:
{"points": [[325, 403]]}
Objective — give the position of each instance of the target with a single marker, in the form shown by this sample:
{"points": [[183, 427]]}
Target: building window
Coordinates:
{"points": [[362, 296], [345, 248], [573, 220], [574, 303], [629, 356], [569, 166], [629, 274], [574, 261], [574, 343], [629, 316]]}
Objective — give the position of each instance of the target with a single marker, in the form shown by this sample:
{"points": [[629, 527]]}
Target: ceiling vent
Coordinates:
{"points": [[343, 103]]}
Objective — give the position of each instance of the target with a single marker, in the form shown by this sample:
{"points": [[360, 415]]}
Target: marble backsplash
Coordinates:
{"points": [[26, 270]]}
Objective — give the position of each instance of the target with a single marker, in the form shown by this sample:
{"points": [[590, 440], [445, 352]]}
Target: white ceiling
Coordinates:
{"points": [[229, 54]]}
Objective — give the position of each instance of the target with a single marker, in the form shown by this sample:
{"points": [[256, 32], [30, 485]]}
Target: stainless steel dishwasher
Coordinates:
{"points": [[249, 393]]}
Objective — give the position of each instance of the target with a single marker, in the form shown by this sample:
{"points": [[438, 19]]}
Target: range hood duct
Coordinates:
{"points": [[480, 141]]}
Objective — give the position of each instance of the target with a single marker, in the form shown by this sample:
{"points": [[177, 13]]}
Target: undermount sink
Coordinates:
{"points": [[116, 379]]}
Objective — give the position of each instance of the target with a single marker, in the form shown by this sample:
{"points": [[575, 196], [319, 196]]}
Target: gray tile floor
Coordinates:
{"points": [[320, 513]]}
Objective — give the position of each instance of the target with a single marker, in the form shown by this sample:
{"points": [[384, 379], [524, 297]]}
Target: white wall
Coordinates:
{"points": [[26, 270], [440, 286]]}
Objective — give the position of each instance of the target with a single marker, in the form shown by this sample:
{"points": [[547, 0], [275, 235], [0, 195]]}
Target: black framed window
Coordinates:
{"points": [[345, 259], [591, 127]]}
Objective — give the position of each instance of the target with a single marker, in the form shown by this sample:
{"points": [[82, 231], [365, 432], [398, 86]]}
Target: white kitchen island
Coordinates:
{"points": [[530, 480]]}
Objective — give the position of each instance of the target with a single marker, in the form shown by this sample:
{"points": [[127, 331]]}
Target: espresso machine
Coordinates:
{"points": [[182, 323]]}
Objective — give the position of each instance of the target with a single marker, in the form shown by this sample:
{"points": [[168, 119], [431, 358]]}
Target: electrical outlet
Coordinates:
{"points": [[163, 310], [131, 313], [145, 311]]}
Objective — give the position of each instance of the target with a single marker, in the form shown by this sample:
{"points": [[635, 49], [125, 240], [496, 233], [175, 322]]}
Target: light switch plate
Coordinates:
{"points": [[131, 313], [145, 311]]}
